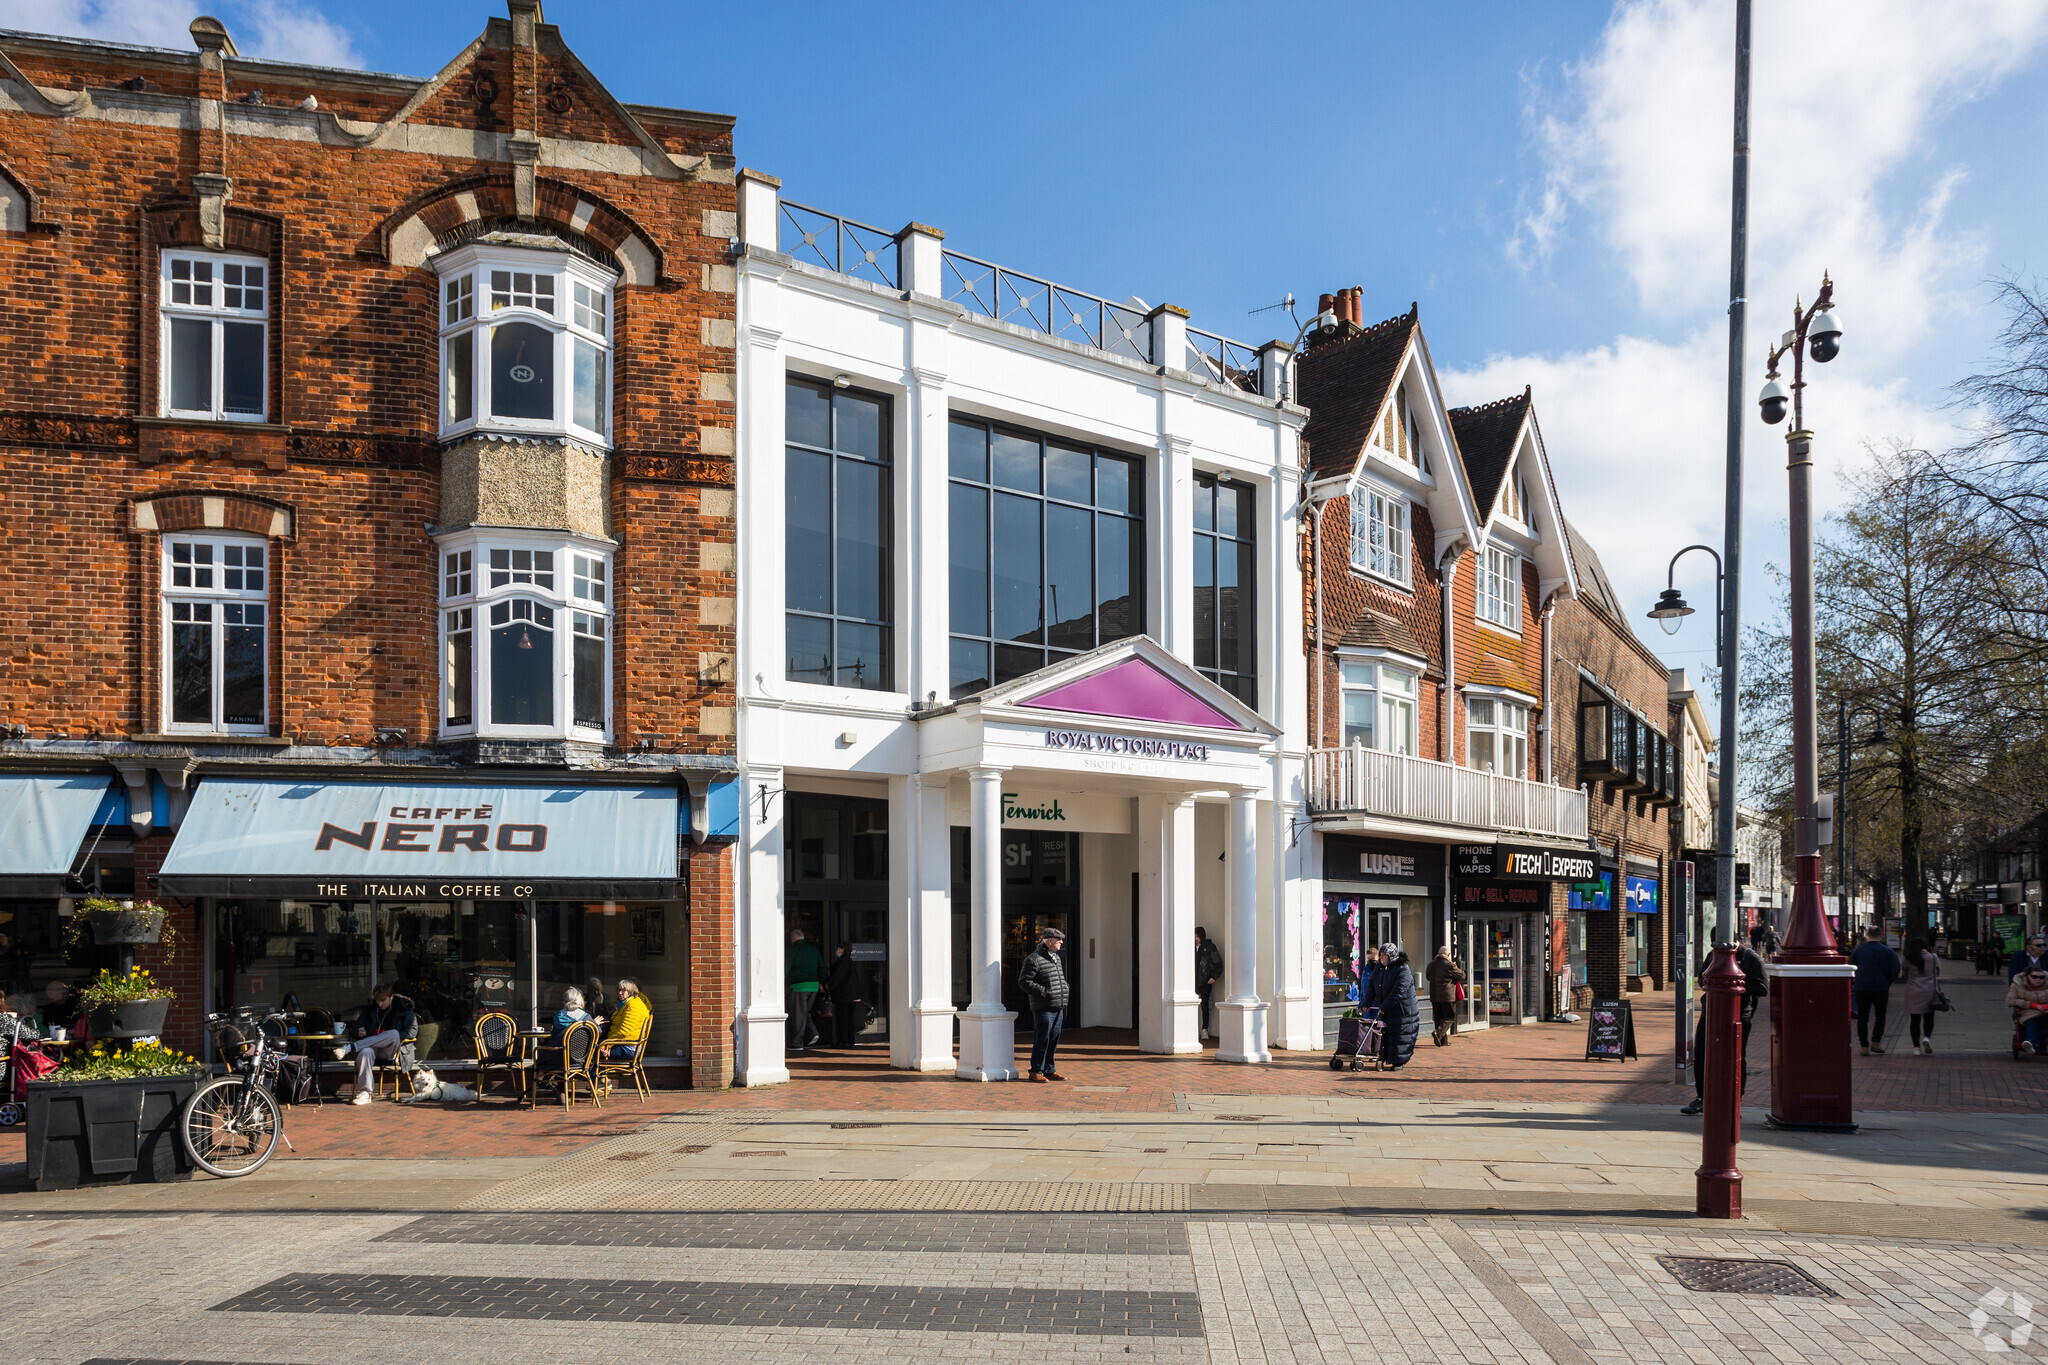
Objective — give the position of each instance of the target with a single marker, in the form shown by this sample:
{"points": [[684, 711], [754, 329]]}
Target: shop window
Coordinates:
{"points": [[525, 639], [525, 341], [1378, 706], [216, 625], [1226, 592], [1497, 736], [1379, 533], [1497, 585], [838, 556], [1047, 540], [214, 351]]}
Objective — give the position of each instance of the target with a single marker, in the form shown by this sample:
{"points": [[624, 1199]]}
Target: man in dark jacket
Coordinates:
{"points": [[849, 998], [1877, 966], [1444, 976], [1393, 992], [2033, 956], [1208, 973], [803, 976], [1044, 979], [1755, 986], [380, 1029]]}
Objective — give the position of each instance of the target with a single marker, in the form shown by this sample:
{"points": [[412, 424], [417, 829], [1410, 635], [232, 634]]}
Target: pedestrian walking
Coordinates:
{"points": [[803, 976], [1208, 972], [1443, 976], [1923, 985], [1877, 966], [1044, 979], [1756, 985], [844, 988], [1393, 992]]}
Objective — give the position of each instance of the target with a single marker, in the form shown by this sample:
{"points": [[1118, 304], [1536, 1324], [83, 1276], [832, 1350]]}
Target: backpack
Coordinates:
{"points": [[294, 1080]]}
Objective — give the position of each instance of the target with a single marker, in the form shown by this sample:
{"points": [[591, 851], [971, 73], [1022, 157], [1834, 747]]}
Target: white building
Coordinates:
{"points": [[1020, 633]]}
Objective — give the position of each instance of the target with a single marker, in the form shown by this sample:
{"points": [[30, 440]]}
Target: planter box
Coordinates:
{"points": [[107, 1132], [126, 926], [131, 1019]]}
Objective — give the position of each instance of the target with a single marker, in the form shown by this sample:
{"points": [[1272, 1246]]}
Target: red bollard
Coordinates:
{"points": [[1718, 1183]]}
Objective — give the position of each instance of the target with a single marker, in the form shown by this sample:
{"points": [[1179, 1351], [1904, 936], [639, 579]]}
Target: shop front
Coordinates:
{"points": [[1500, 896], [467, 898], [62, 836], [1641, 899], [1376, 891]]}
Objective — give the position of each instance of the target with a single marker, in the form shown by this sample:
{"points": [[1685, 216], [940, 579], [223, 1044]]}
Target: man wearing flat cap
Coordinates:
{"points": [[1044, 979]]}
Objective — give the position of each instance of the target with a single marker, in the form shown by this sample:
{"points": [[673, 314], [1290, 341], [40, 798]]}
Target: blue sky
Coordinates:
{"points": [[1548, 180]]}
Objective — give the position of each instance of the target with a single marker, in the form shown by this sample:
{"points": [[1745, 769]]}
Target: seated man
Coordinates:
{"points": [[629, 1023], [384, 1023]]}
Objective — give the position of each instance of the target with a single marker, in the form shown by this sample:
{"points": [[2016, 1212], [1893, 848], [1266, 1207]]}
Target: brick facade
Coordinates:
{"points": [[123, 152]]}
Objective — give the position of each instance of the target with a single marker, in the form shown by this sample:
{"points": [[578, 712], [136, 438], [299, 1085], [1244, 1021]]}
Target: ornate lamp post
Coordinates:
{"points": [[1810, 1081]]}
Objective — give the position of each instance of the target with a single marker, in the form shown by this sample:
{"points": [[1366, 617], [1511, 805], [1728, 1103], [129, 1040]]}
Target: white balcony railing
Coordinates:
{"points": [[1398, 787]]}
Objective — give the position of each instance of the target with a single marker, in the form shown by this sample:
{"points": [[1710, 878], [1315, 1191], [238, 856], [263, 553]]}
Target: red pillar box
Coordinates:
{"points": [[1810, 1026]]}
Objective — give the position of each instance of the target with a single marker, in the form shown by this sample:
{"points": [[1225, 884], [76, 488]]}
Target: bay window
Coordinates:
{"points": [[216, 626], [1378, 705], [525, 631], [525, 341], [1497, 736], [214, 350], [1497, 585], [1379, 533]]}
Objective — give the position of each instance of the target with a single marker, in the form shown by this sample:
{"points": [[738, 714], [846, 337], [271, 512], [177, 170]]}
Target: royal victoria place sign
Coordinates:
{"points": [[1126, 746], [1515, 862]]}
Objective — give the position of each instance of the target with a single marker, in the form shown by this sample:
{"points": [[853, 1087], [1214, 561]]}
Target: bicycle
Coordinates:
{"points": [[231, 1126]]}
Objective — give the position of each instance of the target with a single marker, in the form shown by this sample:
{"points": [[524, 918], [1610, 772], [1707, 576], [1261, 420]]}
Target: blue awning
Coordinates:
{"points": [[43, 820], [376, 841]]}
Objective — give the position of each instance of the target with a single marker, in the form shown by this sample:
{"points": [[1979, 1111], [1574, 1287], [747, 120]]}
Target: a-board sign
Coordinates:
{"points": [[1610, 1031]]}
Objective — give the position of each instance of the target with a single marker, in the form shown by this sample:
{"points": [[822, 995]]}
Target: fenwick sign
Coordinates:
{"points": [[1132, 746], [1520, 863]]}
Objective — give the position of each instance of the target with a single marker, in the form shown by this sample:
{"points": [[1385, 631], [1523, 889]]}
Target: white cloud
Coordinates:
{"points": [[287, 30], [1847, 176]]}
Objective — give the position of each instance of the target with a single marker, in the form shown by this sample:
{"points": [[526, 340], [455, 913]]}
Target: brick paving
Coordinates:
{"points": [[960, 1233]]}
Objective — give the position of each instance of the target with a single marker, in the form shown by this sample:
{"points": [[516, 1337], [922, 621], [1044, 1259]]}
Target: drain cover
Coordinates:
{"points": [[1239, 1118], [1720, 1275], [856, 1125]]}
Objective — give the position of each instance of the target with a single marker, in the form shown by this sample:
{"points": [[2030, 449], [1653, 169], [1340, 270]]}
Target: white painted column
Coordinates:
{"points": [[1169, 1010], [758, 1043], [1297, 1015], [1242, 1017], [988, 1032], [931, 930], [900, 971]]}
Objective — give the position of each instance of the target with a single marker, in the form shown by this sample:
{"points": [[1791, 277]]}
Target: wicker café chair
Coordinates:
{"points": [[628, 1067], [498, 1050], [401, 1066], [562, 1065]]}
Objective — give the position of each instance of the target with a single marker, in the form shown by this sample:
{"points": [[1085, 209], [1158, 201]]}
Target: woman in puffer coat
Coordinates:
{"points": [[1394, 992]]}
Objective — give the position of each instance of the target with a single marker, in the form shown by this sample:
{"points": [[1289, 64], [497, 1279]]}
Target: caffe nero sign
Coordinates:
{"points": [[1516, 862]]}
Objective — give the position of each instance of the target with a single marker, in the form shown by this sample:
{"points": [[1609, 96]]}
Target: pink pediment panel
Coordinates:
{"points": [[1134, 689]]}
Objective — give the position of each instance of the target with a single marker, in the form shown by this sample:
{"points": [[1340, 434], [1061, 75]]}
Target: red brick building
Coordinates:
{"points": [[369, 454], [1438, 553]]}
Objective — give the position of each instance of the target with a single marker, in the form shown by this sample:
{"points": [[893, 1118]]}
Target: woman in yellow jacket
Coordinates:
{"points": [[629, 1024]]}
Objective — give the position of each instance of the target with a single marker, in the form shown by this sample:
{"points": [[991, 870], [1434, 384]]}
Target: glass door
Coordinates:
{"points": [[1473, 954], [455, 960], [1500, 971]]}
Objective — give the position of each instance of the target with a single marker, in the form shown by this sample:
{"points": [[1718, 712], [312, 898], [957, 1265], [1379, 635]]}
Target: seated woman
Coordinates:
{"points": [[629, 1023], [2027, 998], [572, 1012]]}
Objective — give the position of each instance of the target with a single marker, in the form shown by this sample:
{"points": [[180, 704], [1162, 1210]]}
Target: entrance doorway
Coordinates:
{"points": [[835, 879], [1041, 890], [1487, 948]]}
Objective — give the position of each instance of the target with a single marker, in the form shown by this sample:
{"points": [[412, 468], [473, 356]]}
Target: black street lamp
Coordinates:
{"points": [[1672, 608]]}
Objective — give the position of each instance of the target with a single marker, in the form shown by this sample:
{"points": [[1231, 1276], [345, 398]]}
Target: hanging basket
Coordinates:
{"points": [[126, 926]]}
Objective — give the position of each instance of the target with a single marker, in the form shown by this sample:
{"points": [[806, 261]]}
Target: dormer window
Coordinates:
{"points": [[525, 339]]}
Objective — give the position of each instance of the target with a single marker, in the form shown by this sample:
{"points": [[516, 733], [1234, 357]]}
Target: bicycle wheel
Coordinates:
{"points": [[230, 1126]]}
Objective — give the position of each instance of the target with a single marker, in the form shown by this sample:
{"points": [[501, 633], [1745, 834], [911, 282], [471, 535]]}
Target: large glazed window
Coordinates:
{"points": [[215, 311], [1226, 597], [1047, 551], [1379, 533], [525, 637], [1497, 736], [216, 627], [525, 342], [837, 557], [1379, 706]]}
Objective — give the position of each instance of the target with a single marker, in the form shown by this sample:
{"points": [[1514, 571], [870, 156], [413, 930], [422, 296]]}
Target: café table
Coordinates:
{"points": [[530, 1040]]}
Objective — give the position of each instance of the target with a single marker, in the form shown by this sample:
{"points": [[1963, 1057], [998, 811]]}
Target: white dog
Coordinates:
{"points": [[427, 1086]]}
